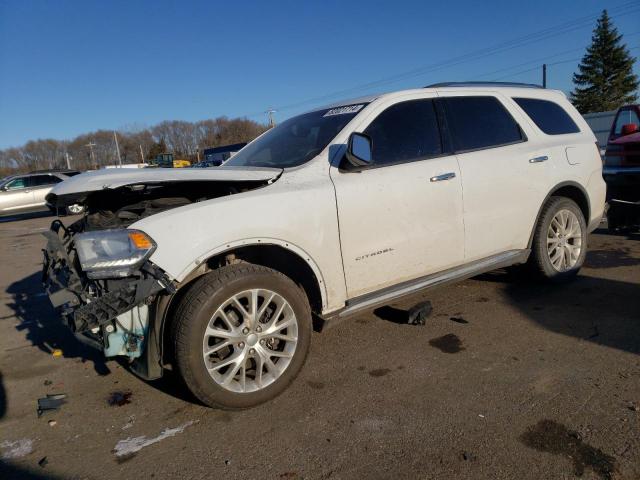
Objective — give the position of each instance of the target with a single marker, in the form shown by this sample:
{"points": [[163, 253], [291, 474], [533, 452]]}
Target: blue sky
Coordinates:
{"points": [[68, 67]]}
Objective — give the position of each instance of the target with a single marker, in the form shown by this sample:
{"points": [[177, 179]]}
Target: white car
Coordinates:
{"points": [[219, 272], [26, 192]]}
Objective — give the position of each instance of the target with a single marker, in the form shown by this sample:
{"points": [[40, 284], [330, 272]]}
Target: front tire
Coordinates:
{"points": [[560, 240], [241, 335]]}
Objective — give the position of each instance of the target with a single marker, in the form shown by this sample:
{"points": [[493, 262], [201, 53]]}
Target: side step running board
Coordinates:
{"points": [[385, 296]]}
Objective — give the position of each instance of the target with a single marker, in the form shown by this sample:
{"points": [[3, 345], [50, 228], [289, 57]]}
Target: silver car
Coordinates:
{"points": [[26, 192]]}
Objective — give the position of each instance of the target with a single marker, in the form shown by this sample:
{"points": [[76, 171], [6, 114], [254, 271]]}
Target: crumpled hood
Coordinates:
{"points": [[112, 178]]}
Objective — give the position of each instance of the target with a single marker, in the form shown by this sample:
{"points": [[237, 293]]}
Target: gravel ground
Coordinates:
{"points": [[506, 380]]}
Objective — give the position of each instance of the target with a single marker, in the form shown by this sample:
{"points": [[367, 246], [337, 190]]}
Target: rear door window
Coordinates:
{"points": [[625, 117], [404, 132], [550, 117], [44, 180], [480, 122]]}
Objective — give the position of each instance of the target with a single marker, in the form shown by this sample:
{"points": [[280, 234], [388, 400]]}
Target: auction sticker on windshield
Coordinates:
{"points": [[344, 110]]}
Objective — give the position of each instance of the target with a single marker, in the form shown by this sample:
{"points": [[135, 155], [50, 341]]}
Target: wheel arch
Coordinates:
{"points": [[281, 256], [569, 189]]}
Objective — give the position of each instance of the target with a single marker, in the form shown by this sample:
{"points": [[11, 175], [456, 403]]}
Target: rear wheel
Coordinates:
{"points": [[560, 240], [241, 335]]}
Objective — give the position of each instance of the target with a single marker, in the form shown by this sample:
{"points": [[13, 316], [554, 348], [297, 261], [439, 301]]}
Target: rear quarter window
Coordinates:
{"points": [[549, 117]]}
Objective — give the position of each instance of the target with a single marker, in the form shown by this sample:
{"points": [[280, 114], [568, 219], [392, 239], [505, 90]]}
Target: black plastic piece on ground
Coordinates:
{"points": [[417, 315], [51, 402]]}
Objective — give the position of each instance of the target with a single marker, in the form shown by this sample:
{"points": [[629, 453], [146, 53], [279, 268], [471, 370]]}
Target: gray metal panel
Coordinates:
{"points": [[600, 123]]}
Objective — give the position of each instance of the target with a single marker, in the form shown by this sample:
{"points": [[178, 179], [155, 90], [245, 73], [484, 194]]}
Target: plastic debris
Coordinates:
{"points": [[51, 402], [52, 423], [57, 352], [458, 320], [418, 314]]}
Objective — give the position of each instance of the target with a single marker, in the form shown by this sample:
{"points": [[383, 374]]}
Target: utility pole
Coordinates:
{"points": [[198, 153], [115, 137], [93, 157], [141, 153], [544, 75], [272, 122]]}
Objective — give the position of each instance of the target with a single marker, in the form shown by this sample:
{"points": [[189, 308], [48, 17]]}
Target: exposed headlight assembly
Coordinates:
{"points": [[112, 253]]}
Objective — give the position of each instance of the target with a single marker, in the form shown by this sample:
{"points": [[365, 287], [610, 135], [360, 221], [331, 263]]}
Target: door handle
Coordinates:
{"points": [[543, 158], [444, 176]]}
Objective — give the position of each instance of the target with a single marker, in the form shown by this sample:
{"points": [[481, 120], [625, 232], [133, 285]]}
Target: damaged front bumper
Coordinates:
{"points": [[114, 314]]}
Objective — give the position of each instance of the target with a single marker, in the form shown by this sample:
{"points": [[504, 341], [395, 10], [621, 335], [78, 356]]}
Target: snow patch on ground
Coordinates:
{"points": [[16, 449], [132, 445]]}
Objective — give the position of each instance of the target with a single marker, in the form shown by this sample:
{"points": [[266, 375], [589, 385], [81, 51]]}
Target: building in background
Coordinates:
{"points": [[215, 156], [600, 123]]}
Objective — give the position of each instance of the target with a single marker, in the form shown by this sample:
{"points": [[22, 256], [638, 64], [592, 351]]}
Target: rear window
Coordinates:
{"points": [[480, 122], [42, 180], [550, 117], [624, 117]]}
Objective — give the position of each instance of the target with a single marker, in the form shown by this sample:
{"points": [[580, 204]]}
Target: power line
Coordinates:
{"points": [[545, 58], [537, 67], [540, 35]]}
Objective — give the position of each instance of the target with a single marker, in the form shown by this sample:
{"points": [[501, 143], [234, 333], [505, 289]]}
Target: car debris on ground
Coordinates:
{"points": [[52, 401], [418, 314]]}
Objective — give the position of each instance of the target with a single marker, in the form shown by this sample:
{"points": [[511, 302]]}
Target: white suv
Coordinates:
{"points": [[219, 272]]}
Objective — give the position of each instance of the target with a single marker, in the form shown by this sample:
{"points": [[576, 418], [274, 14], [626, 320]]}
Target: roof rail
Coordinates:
{"points": [[482, 84]]}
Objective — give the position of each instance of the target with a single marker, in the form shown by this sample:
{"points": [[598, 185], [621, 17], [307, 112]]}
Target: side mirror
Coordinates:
{"points": [[629, 128], [359, 150]]}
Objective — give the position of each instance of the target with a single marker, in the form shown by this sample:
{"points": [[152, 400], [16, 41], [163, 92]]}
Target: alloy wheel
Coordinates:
{"points": [[564, 240], [250, 340]]}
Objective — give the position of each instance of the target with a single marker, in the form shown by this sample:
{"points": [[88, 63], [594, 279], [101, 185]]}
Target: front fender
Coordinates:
{"points": [[298, 215]]}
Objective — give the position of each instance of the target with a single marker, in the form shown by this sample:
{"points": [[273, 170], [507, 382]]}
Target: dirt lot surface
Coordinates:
{"points": [[506, 380]]}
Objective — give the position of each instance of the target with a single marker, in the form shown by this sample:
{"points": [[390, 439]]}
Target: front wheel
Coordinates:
{"points": [[241, 335], [560, 240]]}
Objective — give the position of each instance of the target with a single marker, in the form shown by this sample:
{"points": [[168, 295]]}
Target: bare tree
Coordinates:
{"points": [[182, 138]]}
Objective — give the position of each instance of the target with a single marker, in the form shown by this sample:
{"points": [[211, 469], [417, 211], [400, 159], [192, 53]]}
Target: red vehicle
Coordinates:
{"points": [[621, 169]]}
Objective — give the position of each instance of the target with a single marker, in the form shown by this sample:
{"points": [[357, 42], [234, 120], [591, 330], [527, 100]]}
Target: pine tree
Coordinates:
{"points": [[605, 78]]}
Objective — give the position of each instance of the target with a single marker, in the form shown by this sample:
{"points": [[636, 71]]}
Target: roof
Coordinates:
{"points": [[483, 84], [471, 86]]}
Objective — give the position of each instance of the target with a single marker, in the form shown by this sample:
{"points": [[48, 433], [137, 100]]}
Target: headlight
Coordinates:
{"points": [[112, 253]]}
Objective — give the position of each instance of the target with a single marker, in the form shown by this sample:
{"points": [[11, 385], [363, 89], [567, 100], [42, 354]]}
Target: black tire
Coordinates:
{"points": [[539, 261], [195, 311]]}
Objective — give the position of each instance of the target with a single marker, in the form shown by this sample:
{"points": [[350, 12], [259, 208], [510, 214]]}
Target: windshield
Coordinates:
{"points": [[297, 140], [5, 180]]}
